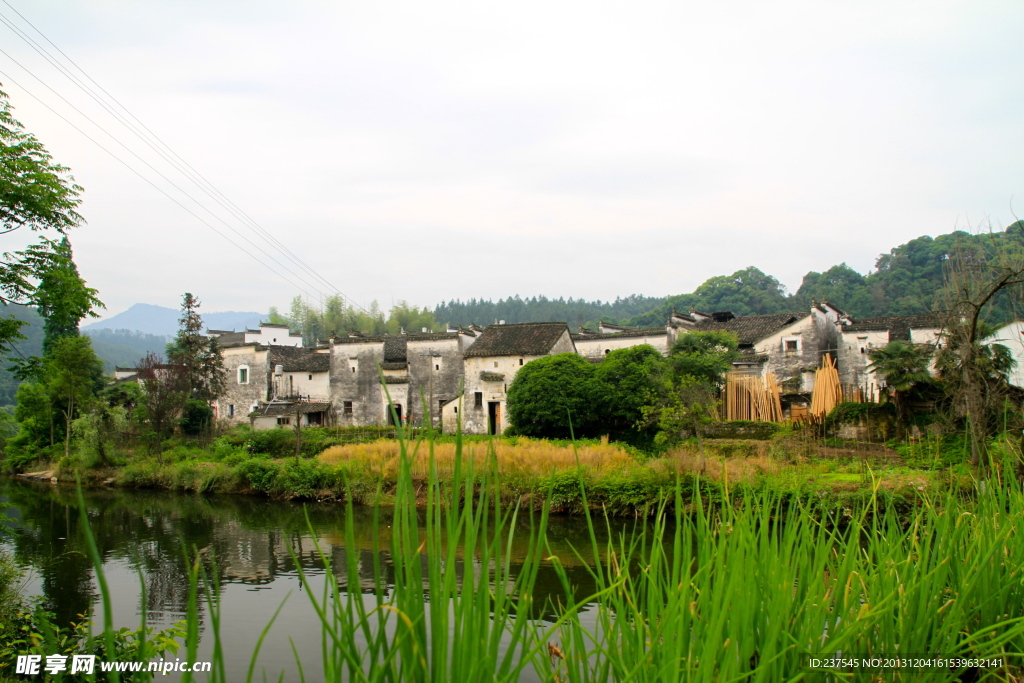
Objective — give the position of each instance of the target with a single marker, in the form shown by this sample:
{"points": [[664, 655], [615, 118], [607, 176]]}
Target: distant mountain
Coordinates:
{"points": [[163, 321]]}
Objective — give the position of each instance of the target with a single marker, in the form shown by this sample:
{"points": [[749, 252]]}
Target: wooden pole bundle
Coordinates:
{"points": [[751, 397], [828, 392]]}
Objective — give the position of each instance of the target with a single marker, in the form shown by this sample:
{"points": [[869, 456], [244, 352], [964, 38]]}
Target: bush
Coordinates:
{"points": [[259, 474], [196, 417]]}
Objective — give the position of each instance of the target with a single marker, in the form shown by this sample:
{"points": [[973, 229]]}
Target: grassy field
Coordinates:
{"points": [[620, 479]]}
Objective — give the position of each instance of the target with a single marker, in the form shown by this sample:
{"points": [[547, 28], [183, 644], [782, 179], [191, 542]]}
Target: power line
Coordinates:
{"points": [[150, 166], [150, 182], [165, 152]]}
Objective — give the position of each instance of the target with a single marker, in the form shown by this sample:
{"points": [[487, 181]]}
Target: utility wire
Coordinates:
{"points": [[151, 183], [76, 81], [162, 149], [150, 166]]}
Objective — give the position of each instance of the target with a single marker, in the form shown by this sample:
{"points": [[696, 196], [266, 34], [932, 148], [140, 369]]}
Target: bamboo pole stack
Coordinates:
{"points": [[750, 397], [828, 392]]}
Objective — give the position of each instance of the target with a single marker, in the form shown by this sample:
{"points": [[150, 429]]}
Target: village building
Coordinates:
{"points": [[269, 334], [789, 345], [860, 337], [265, 383], [491, 364], [420, 372], [594, 346]]}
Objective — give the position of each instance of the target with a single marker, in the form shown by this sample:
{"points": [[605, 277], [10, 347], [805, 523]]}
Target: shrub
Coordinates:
{"points": [[259, 474], [196, 417]]}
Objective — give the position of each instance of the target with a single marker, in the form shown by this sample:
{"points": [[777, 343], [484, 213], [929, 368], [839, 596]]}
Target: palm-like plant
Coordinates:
{"points": [[903, 365]]}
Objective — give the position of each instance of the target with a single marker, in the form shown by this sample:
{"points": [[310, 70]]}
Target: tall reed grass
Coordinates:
{"points": [[709, 592]]}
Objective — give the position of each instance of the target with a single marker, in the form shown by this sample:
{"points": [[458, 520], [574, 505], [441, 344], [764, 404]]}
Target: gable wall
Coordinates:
{"points": [[243, 396]]}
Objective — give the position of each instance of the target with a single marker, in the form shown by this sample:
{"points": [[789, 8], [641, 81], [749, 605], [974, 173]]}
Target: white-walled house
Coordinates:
{"points": [[491, 364], [790, 345], [269, 334], [594, 346], [860, 337]]}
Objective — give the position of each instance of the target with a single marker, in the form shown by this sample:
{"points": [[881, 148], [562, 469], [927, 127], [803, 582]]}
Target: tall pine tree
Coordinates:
{"points": [[198, 355], [62, 298]]}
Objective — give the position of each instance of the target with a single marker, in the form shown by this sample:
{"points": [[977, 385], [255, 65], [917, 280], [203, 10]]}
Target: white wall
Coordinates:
{"points": [[1012, 337]]}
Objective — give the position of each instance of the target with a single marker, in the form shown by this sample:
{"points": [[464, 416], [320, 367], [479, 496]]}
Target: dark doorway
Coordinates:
{"points": [[395, 410], [493, 417]]}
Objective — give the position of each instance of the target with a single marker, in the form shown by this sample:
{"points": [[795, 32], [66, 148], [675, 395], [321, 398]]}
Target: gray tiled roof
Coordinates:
{"points": [[629, 332], [395, 349], [752, 328], [298, 359], [899, 326], [231, 338], [518, 339]]}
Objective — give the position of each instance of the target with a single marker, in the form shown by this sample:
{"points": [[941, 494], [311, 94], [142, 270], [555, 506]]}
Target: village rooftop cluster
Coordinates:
{"points": [[465, 373]]}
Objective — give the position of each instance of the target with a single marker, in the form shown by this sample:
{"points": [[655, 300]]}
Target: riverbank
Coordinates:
{"points": [[570, 477]]}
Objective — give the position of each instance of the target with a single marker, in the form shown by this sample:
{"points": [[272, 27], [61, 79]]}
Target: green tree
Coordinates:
{"points": [[625, 383], [903, 366], [689, 399], [165, 390], [978, 274], [552, 397], [199, 356], [63, 299], [37, 194], [72, 373], [705, 356]]}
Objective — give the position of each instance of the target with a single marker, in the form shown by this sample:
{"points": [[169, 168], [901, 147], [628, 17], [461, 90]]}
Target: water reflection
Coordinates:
{"points": [[255, 544]]}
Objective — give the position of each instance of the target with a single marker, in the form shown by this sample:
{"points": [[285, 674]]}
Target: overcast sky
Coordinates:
{"points": [[436, 150]]}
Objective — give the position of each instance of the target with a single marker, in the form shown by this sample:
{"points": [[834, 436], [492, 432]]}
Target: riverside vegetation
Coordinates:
{"points": [[742, 587]]}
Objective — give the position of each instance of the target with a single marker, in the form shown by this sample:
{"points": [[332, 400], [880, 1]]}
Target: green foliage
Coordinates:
{"points": [[62, 298], [705, 356], [36, 194], [575, 312], [335, 317], [198, 356], [624, 383], [259, 474], [196, 417], [553, 397]]}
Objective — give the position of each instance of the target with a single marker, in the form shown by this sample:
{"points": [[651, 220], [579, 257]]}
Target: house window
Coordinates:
{"points": [[437, 362], [440, 405], [243, 375], [353, 368], [478, 399], [284, 421], [791, 346], [231, 410], [311, 377], [347, 408], [607, 351], [456, 410], [520, 361]]}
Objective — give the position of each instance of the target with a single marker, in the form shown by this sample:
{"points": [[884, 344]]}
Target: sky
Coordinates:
{"points": [[450, 150]]}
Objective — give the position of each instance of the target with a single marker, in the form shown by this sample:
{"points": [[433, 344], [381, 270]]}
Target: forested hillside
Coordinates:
{"points": [[909, 279], [542, 309]]}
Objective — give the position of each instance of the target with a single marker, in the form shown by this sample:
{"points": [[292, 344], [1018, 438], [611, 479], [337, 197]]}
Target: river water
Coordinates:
{"points": [[251, 540]]}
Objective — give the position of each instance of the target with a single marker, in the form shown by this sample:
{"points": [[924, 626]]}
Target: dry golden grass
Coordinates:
{"points": [[536, 458]]}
